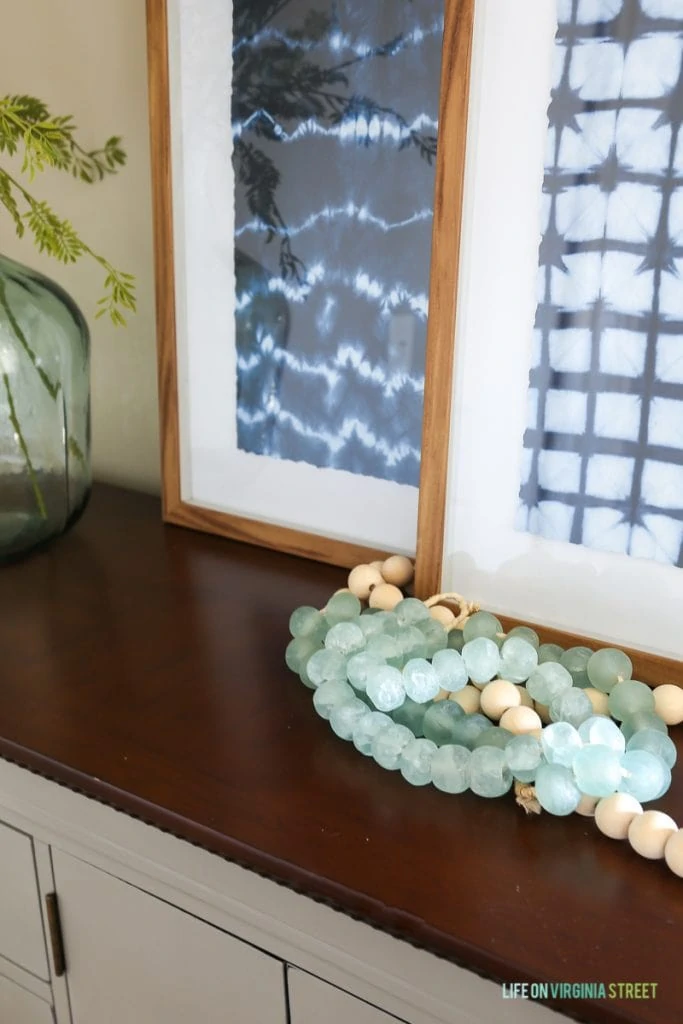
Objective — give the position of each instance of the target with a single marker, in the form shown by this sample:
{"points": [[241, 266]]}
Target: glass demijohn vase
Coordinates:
{"points": [[44, 410]]}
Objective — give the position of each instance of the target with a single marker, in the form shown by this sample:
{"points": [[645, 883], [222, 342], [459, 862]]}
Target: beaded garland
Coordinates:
{"points": [[453, 701]]}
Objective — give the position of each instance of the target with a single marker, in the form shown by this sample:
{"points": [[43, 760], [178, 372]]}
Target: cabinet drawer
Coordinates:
{"points": [[312, 1001], [21, 1007], [21, 927]]}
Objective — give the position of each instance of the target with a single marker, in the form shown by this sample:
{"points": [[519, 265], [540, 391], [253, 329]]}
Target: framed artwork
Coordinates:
{"points": [[306, 242], [556, 495]]}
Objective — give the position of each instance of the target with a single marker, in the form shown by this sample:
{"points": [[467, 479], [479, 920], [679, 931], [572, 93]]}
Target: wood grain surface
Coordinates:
{"points": [[143, 665]]}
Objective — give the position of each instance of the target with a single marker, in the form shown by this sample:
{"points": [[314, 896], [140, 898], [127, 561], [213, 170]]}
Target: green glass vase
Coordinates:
{"points": [[44, 410]]}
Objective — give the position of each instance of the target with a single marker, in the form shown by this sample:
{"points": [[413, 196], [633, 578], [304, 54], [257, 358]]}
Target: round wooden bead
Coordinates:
{"points": [[526, 699], [598, 700], [673, 853], [363, 579], [543, 712], [378, 565], [520, 720], [442, 695], [497, 697], [614, 814], [385, 596], [468, 698], [649, 832], [443, 615], [587, 805], [398, 570], [669, 703]]}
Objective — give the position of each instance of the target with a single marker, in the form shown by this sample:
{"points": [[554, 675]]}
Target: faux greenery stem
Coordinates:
{"points": [[14, 420]]}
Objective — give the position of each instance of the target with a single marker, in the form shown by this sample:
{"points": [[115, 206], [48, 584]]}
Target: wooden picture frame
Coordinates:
{"points": [[449, 172], [462, 400]]}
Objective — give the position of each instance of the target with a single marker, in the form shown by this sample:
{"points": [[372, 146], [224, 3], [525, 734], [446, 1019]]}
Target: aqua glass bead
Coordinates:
{"points": [[489, 773], [645, 775], [306, 679], [305, 621], [412, 643], [608, 667], [630, 697], [385, 688], [519, 659], [597, 770], [439, 720], [412, 715], [482, 659], [549, 652], [345, 637], [494, 736], [548, 681], [450, 669], [456, 640], [389, 623], [385, 648], [342, 608], [601, 730], [560, 742], [420, 680], [467, 728], [345, 716], [415, 764], [526, 633], [523, 755], [329, 695], [369, 625], [482, 624], [435, 635], [389, 744], [575, 660], [642, 720], [410, 611], [572, 705], [366, 729], [556, 789], [654, 742], [450, 769], [359, 667], [299, 650], [326, 666]]}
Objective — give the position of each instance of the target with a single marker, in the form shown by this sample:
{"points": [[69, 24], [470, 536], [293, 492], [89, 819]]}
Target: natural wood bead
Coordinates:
{"points": [[385, 596], [443, 615], [527, 700], [543, 712], [442, 695], [498, 696], [520, 720], [587, 805], [649, 833], [614, 814], [378, 565], [468, 698], [673, 853], [669, 703], [398, 569], [362, 579], [598, 700]]}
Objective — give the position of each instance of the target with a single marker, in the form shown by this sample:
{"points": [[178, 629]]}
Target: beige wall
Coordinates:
{"points": [[87, 58]]}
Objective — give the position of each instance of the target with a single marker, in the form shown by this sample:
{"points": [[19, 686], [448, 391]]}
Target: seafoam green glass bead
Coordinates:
{"points": [[451, 769], [556, 789], [410, 611], [450, 669], [345, 716], [549, 652], [342, 608], [329, 695], [494, 736], [412, 642], [482, 659], [467, 728], [645, 776], [572, 705], [519, 659], [523, 755], [345, 637], [654, 742], [326, 666], [385, 648], [642, 720], [306, 679], [456, 639], [482, 624], [439, 720], [597, 770], [435, 635], [575, 660], [560, 742], [367, 728], [602, 730], [359, 667], [420, 680], [489, 772], [389, 744], [629, 698], [305, 621], [528, 634], [299, 650], [607, 667], [385, 688], [412, 715], [415, 763], [548, 681]]}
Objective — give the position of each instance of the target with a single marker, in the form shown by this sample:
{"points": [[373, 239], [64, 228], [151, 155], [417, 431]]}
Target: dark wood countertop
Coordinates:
{"points": [[143, 665]]}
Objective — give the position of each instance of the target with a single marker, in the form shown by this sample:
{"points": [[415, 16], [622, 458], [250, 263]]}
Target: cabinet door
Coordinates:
{"points": [[21, 927], [312, 1001], [132, 957], [21, 1007]]}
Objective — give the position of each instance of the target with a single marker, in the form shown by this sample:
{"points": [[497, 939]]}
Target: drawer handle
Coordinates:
{"points": [[56, 937]]}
